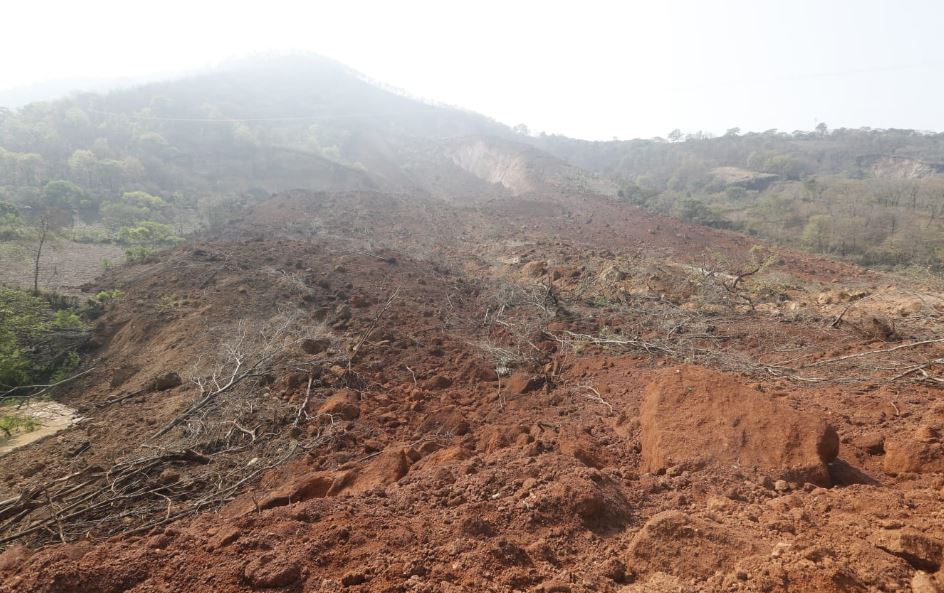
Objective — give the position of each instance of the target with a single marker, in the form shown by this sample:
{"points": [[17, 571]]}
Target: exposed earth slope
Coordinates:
{"points": [[365, 391]]}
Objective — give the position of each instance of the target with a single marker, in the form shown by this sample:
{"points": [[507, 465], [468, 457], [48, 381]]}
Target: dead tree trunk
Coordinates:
{"points": [[43, 226]]}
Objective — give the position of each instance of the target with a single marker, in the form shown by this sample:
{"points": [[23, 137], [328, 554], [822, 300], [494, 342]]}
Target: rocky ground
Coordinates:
{"points": [[368, 392]]}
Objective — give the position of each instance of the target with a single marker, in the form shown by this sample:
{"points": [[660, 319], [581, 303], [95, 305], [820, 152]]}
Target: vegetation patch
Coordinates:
{"points": [[39, 336], [12, 423]]}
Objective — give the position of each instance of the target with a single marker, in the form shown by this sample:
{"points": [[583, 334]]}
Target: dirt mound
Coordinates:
{"points": [[672, 535], [919, 451], [693, 416]]}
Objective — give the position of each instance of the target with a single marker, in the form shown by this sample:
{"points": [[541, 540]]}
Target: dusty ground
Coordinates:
{"points": [[45, 418], [64, 266], [374, 393]]}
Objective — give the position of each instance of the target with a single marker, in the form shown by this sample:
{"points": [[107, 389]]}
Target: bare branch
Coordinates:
{"points": [[42, 388], [872, 352]]}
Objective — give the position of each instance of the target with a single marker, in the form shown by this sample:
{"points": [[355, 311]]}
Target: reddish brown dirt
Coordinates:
{"points": [[607, 419], [691, 417]]}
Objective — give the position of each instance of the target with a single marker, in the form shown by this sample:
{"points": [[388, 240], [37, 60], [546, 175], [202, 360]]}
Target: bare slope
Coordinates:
{"points": [[437, 398]]}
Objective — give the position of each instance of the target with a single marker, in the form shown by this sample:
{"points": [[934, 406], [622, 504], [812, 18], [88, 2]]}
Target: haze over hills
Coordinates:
{"points": [[268, 124], [16, 97], [254, 126]]}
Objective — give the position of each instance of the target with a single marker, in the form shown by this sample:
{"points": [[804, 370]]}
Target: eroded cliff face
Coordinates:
{"points": [[522, 169], [893, 167], [495, 165]]}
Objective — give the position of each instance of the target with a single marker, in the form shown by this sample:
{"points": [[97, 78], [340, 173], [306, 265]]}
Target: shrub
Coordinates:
{"points": [[137, 254], [108, 296], [11, 422], [14, 366], [37, 339], [148, 232], [89, 234], [11, 223]]}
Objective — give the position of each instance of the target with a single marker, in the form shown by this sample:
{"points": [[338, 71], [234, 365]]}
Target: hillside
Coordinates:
{"points": [[254, 126], [872, 196], [135, 170]]}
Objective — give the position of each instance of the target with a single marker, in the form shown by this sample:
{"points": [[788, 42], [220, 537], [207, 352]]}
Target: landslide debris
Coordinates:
{"points": [[611, 419]]}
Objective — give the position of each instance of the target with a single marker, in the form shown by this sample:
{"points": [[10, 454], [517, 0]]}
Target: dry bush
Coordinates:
{"points": [[232, 433]]}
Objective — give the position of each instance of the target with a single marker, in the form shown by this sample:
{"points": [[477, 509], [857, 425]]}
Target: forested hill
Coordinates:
{"points": [[254, 127], [874, 196]]}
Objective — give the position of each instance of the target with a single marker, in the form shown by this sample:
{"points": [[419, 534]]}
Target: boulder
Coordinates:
{"points": [[165, 382], [873, 326], [272, 571], [922, 582], [908, 455], [437, 382], [312, 485], [387, 468], [447, 420], [693, 416]]}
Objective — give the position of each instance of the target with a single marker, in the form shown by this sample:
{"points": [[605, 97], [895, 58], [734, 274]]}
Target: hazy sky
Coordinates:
{"points": [[586, 69]]}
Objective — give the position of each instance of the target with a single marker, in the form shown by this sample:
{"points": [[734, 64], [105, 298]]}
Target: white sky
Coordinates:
{"points": [[588, 69]]}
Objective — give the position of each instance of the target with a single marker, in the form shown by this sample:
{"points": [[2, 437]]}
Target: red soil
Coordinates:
{"points": [[601, 421]]}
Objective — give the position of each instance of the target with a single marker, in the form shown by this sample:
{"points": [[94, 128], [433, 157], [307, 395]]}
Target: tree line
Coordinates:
{"points": [[873, 196]]}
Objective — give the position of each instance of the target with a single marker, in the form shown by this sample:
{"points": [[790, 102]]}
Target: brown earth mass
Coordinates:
{"points": [[370, 392], [692, 417]]}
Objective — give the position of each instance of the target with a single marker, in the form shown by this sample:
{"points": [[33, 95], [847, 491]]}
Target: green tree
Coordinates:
{"points": [[816, 232], [692, 210], [29, 168], [64, 194], [83, 164], [11, 223], [149, 234], [131, 208], [76, 124], [35, 340], [50, 214], [14, 366]]}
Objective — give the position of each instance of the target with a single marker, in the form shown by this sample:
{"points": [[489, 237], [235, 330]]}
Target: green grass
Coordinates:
{"points": [[13, 422]]}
